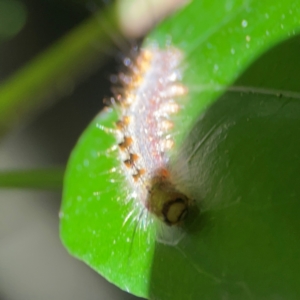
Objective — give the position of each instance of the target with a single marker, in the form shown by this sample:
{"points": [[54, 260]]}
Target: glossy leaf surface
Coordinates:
{"points": [[242, 158]]}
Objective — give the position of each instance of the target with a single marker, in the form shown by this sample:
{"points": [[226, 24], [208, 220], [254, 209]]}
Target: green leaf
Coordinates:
{"points": [[222, 41], [239, 155]]}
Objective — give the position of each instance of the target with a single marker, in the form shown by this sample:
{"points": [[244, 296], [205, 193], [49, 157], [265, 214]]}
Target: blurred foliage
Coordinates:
{"points": [[12, 18], [34, 179], [55, 71]]}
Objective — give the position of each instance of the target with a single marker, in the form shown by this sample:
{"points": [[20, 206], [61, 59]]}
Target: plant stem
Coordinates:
{"points": [[51, 178], [55, 71]]}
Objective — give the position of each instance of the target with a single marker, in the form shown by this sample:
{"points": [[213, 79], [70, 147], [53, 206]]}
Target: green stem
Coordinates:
{"points": [[55, 71], [51, 178]]}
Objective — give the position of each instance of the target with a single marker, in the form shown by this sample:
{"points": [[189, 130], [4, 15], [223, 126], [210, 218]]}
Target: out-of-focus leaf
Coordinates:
{"points": [[12, 18], [55, 71]]}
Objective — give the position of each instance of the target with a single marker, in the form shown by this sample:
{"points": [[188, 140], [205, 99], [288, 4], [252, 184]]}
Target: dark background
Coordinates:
{"points": [[33, 263]]}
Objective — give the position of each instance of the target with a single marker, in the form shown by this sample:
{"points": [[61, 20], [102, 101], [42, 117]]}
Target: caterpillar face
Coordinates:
{"points": [[167, 203]]}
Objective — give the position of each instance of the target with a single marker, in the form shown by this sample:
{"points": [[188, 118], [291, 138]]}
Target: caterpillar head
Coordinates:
{"points": [[167, 203]]}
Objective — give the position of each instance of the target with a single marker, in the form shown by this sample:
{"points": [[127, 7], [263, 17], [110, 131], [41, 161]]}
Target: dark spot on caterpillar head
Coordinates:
{"points": [[175, 210]]}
